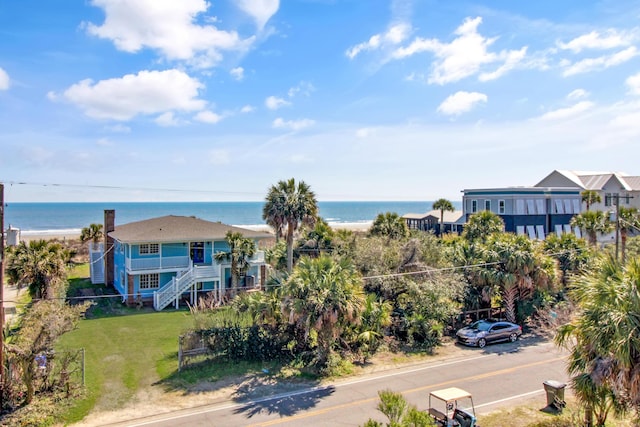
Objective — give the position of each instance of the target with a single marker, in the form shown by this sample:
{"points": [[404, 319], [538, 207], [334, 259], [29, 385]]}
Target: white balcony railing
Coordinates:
{"points": [[158, 263]]}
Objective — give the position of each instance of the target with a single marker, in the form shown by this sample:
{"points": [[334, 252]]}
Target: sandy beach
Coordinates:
{"points": [[27, 236]]}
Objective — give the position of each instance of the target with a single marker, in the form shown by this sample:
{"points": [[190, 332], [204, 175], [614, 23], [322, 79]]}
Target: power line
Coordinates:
{"points": [[178, 190], [119, 187]]}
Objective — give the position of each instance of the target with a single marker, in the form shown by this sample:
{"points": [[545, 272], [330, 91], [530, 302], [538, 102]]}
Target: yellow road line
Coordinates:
{"points": [[413, 390]]}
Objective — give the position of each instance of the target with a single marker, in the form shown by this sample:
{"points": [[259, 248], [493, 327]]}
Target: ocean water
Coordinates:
{"points": [[72, 217]]}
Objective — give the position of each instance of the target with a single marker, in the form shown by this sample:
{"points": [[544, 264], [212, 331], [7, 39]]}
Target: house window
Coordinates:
{"points": [[149, 249], [609, 199], [487, 205], [501, 207], [474, 206], [149, 281]]}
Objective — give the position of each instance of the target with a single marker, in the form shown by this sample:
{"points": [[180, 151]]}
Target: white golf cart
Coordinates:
{"points": [[452, 407]]}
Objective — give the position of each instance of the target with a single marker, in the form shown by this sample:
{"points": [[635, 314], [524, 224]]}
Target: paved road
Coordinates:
{"points": [[500, 375]]}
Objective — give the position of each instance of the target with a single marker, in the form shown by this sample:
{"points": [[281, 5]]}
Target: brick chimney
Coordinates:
{"points": [[109, 226]]}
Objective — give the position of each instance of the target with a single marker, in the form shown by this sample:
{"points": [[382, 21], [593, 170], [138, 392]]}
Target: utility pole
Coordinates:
{"points": [[617, 196], [2, 381]]}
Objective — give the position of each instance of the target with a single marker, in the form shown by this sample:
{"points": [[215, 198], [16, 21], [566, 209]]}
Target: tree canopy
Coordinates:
{"points": [[390, 225], [442, 205], [40, 265], [590, 197], [604, 338], [481, 225], [288, 205], [592, 223]]}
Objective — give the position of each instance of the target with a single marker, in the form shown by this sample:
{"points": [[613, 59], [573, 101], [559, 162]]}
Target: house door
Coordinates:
{"points": [[197, 252]]}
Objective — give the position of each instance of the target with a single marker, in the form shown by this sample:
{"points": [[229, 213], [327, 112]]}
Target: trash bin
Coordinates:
{"points": [[555, 393]]}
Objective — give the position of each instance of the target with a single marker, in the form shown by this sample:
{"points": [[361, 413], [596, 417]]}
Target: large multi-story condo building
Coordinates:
{"points": [[610, 186], [534, 211]]}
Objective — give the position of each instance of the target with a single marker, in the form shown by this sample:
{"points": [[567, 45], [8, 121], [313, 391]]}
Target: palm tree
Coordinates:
{"points": [[482, 224], [92, 233], [323, 297], [517, 266], [376, 316], [571, 253], [291, 205], [241, 249], [40, 265], [467, 255], [629, 220], [590, 197], [389, 224], [592, 223], [442, 205], [317, 240], [604, 338]]}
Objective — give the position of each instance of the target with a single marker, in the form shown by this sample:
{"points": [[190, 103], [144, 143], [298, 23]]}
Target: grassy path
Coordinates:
{"points": [[124, 354]]}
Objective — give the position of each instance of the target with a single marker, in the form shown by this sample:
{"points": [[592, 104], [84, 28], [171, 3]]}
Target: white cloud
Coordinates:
{"points": [[294, 125], [208, 117], [630, 120], [395, 35], [167, 119], [364, 132], [260, 10], [118, 128], [219, 157], [577, 94], [237, 73], [273, 102], [300, 158], [565, 113], [511, 59], [247, 109], [4, 80], [167, 26], [104, 142], [464, 56], [634, 83], [600, 63], [611, 39], [303, 88], [461, 102], [148, 92]]}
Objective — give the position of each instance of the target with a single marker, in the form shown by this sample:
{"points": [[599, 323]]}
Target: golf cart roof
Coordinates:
{"points": [[449, 394]]}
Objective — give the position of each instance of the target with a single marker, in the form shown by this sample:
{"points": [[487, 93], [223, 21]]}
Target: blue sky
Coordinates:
{"points": [[362, 99]]}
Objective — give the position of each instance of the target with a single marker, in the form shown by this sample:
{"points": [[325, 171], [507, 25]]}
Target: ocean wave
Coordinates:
{"points": [[56, 232]]}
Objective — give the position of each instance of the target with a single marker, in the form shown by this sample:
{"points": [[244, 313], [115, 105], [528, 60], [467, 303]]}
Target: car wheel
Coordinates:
{"points": [[482, 342], [513, 337]]}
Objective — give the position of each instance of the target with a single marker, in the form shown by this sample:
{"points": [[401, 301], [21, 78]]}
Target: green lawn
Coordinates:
{"points": [[123, 354]]}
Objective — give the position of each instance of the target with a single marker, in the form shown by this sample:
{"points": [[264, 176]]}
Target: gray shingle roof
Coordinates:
{"points": [[172, 228]]}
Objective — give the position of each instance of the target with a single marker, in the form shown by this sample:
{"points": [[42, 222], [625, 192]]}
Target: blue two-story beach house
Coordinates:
{"points": [[162, 260]]}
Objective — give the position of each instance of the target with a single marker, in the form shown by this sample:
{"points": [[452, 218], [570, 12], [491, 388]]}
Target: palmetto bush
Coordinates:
{"points": [[254, 343]]}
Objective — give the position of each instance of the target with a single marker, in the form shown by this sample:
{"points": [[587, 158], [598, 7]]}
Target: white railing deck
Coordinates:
{"points": [[157, 263], [182, 282]]}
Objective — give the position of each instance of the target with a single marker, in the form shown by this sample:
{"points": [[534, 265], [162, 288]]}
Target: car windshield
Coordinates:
{"points": [[480, 326]]}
